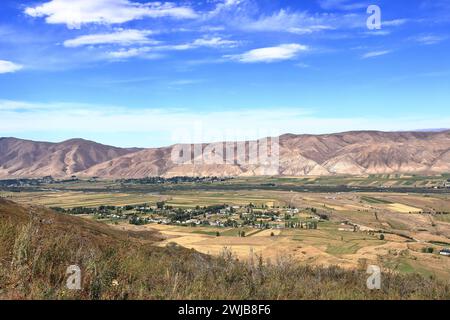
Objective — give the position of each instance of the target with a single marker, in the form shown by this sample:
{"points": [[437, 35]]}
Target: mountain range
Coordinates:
{"points": [[349, 153]]}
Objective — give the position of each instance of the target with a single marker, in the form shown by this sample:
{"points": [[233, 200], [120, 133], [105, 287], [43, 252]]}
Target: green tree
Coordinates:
{"points": [[160, 205]]}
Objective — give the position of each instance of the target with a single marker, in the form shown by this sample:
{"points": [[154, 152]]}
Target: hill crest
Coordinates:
{"points": [[353, 152]]}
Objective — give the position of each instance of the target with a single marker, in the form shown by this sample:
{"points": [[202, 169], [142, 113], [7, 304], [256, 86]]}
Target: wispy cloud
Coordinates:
{"points": [[428, 39], [75, 13], [285, 21], [302, 65], [394, 23], [213, 42], [185, 82], [269, 54], [222, 7], [143, 52], [374, 54], [120, 37], [377, 33], [9, 67], [341, 15], [247, 15]]}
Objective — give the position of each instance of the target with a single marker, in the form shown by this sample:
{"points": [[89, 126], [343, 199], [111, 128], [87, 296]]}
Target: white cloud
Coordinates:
{"points": [[121, 37], [285, 21], [224, 6], [147, 52], [308, 30], [246, 15], [373, 54], [428, 39], [75, 13], [209, 28], [270, 54], [143, 52], [215, 42], [249, 16], [394, 23], [9, 67], [377, 33], [185, 82]]}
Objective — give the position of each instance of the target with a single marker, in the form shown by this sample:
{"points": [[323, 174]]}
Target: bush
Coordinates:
{"points": [[428, 250]]}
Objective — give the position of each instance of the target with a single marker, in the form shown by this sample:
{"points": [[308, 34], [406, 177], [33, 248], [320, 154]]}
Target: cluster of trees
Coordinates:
{"points": [[434, 212], [231, 223], [173, 180], [103, 209], [182, 215], [301, 225], [77, 210], [138, 221], [11, 183], [161, 205]]}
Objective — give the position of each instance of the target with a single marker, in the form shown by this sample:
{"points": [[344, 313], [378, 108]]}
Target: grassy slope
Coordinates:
{"points": [[37, 245]]}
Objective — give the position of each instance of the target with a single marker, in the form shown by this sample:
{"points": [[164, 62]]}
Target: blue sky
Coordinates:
{"points": [[139, 73]]}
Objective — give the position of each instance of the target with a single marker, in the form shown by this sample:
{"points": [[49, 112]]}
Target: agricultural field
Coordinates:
{"points": [[326, 246], [376, 180], [392, 229], [71, 199]]}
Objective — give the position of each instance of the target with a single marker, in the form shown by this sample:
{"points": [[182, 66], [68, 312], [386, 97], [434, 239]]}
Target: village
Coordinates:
{"points": [[262, 216], [218, 220]]}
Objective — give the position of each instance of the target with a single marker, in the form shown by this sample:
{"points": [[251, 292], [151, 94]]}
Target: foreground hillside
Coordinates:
{"points": [[37, 245], [354, 153]]}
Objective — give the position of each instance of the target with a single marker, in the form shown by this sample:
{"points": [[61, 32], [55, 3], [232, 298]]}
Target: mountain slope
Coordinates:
{"points": [[362, 152], [365, 152], [24, 158]]}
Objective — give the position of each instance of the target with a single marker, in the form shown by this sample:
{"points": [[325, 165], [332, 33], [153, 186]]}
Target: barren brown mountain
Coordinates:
{"points": [[364, 152], [23, 158]]}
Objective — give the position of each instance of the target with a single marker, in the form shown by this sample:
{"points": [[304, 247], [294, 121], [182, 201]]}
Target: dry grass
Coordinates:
{"points": [[398, 207], [36, 248]]}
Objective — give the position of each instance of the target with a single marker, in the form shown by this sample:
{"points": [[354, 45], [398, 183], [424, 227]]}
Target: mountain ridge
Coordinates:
{"points": [[26, 158], [351, 152]]}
